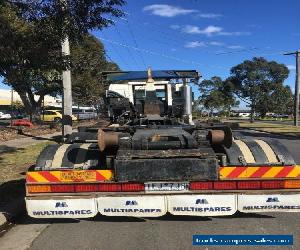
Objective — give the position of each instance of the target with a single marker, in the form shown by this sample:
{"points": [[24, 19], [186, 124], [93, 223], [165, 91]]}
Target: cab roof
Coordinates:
{"points": [[156, 74]]}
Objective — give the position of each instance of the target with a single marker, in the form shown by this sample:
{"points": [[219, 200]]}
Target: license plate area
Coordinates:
{"points": [[166, 186]]}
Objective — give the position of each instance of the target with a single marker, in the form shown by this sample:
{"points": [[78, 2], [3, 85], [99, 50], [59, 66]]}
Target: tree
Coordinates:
{"points": [[24, 59], [88, 60], [72, 18], [281, 100], [255, 81], [30, 41], [217, 94]]}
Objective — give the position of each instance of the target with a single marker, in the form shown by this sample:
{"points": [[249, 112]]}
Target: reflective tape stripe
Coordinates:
{"points": [[294, 172], [263, 172], [272, 172], [268, 150], [38, 177], [248, 172], [59, 154], [225, 171], [69, 176], [248, 156]]}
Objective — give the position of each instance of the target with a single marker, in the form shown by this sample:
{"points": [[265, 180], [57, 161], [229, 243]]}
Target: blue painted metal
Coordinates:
{"points": [[156, 74]]}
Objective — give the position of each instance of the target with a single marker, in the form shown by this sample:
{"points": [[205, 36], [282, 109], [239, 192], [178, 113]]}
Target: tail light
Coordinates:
{"points": [[132, 187], [272, 184], [86, 188], [201, 185], [248, 185], [139, 187], [107, 187], [225, 185], [62, 188]]}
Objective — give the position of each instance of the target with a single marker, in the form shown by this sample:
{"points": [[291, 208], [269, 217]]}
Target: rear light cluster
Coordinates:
{"points": [[138, 187], [245, 185], [77, 188]]}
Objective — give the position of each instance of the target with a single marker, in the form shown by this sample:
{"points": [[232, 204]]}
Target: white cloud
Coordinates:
{"points": [[214, 43], [175, 26], [209, 15], [235, 47], [209, 30], [236, 33], [166, 10], [291, 67], [195, 44]]}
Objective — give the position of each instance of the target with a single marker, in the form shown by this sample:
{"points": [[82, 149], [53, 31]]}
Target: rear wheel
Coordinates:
{"points": [[71, 156]]}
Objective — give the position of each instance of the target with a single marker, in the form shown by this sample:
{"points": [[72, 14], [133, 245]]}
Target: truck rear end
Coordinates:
{"points": [[155, 161]]}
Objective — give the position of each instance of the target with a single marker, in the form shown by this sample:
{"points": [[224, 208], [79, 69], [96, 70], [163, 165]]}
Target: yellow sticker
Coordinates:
{"points": [[77, 176]]}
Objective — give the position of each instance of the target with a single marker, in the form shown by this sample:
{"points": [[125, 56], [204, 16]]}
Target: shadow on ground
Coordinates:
{"points": [[7, 149], [117, 219], [251, 133]]}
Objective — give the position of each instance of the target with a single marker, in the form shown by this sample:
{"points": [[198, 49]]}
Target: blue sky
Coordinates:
{"points": [[208, 35]]}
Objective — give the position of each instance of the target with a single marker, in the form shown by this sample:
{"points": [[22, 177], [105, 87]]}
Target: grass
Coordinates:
{"points": [[15, 162], [282, 129]]}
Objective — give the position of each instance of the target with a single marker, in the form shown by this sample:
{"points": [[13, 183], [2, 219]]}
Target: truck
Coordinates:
{"points": [[153, 160]]}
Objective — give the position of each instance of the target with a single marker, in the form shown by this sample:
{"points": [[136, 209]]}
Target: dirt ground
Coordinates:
{"points": [[11, 133]]}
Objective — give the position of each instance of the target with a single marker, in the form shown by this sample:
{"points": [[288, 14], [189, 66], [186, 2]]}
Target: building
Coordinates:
{"points": [[241, 113], [7, 95]]}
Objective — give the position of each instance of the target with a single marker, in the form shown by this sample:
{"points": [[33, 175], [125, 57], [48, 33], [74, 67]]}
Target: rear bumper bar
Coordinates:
{"points": [[139, 205]]}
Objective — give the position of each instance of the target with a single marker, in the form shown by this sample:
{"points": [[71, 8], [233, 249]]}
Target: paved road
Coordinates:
{"points": [[167, 232]]}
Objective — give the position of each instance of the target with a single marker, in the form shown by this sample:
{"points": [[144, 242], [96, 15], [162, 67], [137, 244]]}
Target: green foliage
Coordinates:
{"points": [[72, 18], [30, 44], [88, 60], [279, 101], [258, 81], [217, 94]]}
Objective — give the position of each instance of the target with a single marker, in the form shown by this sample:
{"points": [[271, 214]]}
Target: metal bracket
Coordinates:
{"points": [[242, 160]]}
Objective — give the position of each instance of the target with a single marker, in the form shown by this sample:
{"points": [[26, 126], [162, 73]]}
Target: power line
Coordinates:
{"points": [[130, 54], [135, 41], [160, 54], [117, 53]]}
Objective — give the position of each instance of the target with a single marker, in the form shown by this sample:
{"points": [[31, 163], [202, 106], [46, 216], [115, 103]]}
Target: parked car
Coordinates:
{"points": [[84, 114], [54, 116], [280, 116], [5, 115]]}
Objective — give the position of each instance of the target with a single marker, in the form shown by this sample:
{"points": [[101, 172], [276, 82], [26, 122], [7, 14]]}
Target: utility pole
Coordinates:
{"points": [[67, 85], [67, 93], [12, 106], [297, 83]]}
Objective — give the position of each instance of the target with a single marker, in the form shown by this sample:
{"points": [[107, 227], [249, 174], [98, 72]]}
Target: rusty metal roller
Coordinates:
{"points": [[220, 136], [107, 139]]}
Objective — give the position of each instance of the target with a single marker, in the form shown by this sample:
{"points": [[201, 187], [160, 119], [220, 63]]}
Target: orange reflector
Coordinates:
{"points": [[292, 184], [39, 189]]}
